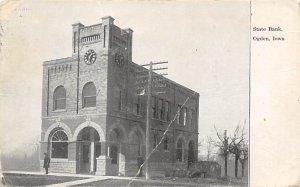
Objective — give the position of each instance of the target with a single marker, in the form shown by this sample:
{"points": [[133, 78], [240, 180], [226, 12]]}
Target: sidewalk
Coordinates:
{"points": [[91, 178], [50, 174]]}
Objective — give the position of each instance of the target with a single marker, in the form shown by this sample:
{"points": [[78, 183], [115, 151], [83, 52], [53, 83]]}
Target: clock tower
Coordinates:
{"points": [[102, 52], [102, 39]]}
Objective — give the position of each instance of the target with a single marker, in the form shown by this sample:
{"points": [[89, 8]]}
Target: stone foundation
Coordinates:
{"points": [[103, 165], [60, 166]]}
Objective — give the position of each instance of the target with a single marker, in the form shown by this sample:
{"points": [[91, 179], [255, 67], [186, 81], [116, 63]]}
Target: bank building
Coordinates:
{"points": [[94, 118]]}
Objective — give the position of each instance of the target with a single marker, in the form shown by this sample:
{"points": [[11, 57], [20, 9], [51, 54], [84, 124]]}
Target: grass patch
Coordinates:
{"points": [[12, 179]]}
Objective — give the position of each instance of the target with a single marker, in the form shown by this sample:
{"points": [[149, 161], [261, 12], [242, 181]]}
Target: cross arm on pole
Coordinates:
{"points": [[155, 63]]}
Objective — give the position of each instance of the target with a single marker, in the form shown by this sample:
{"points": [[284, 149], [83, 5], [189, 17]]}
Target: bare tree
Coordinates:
{"points": [[244, 156], [235, 147], [224, 147], [209, 143], [200, 144]]}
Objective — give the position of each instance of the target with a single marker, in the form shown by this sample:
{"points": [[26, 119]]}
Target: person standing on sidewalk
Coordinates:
{"points": [[46, 162]]}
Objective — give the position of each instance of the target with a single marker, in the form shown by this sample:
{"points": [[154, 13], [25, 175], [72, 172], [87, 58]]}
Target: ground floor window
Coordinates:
{"points": [[114, 154], [59, 145], [180, 151]]}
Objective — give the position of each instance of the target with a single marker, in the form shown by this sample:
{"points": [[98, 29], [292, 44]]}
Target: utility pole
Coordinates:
{"points": [[148, 119], [78, 62], [148, 114]]}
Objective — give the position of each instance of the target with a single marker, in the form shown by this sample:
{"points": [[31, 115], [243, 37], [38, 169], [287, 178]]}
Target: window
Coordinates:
{"points": [[155, 140], [114, 154], [180, 151], [136, 144], [153, 106], [59, 98], [184, 111], [166, 144], [178, 114], [160, 109], [193, 119], [167, 113], [190, 117], [89, 95], [182, 115], [117, 99], [59, 145], [138, 102]]}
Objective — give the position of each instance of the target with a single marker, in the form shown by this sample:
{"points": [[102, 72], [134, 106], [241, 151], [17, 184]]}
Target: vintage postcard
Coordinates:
{"points": [[149, 93]]}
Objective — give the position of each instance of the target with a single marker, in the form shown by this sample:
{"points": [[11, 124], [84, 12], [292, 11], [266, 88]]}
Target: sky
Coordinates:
{"points": [[206, 44]]}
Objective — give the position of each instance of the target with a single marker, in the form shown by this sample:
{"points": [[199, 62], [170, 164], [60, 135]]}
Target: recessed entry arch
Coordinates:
{"points": [[89, 124]]}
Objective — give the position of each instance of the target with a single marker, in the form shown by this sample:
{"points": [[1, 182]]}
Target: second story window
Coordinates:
{"points": [[59, 98], [184, 111], [182, 115], [160, 109], [138, 102], [153, 106], [178, 114], [89, 95], [167, 112], [193, 119]]}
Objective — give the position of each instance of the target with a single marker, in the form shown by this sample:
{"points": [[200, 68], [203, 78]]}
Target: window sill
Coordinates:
{"points": [[136, 115], [89, 108], [120, 111], [59, 159], [161, 120], [167, 151], [60, 110]]}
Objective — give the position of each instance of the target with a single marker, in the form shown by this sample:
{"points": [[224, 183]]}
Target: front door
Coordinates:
{"points": [[85, 159]]}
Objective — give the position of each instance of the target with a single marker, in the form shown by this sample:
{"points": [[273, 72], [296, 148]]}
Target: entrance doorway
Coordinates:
{"points": [[116, 153], [88, 149], [191, 156]]}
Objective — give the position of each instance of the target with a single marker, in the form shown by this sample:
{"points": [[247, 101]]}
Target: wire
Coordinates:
{"points": [[164, 134]]}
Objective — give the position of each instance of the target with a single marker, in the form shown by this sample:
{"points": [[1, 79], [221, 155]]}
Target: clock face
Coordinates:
{"points": [[119, 59], [90, 57]]}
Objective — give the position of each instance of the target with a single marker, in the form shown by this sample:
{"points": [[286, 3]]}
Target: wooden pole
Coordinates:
{"points": [[78, 62], [148, 122]]}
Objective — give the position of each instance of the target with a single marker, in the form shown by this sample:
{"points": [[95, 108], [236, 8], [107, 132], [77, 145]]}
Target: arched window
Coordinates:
{"points": [[166, 144], [59, 98], [155, 140], [115, 138], [136, 143], [59, 145], [191, 154], [180, 151], [89, 95]]}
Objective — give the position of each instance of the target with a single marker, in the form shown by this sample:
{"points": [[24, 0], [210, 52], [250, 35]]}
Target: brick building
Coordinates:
{"points": [[93, 120]]}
